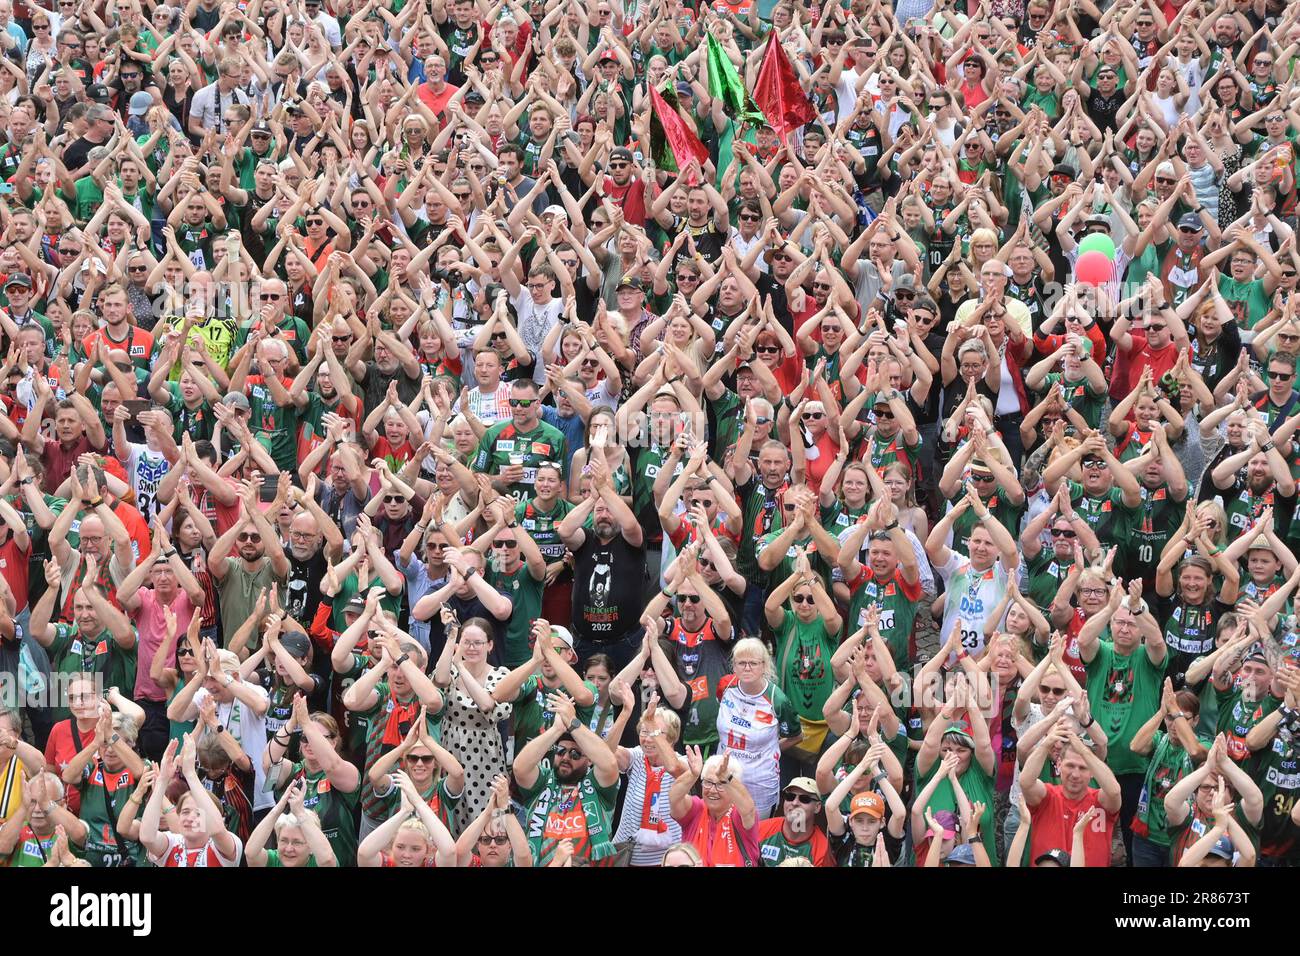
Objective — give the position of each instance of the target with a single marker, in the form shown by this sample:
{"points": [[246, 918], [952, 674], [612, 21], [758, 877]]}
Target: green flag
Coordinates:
{"points": [[725, 85]]}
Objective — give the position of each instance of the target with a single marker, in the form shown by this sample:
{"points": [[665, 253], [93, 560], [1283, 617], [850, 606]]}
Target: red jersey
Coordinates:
{"points": [[1053, 825], [138, 344], [630, 197]]}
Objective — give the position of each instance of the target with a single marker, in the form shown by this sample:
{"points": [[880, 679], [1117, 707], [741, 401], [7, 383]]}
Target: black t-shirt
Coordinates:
{"points": [[607, 589], [466, 608], [848, 853], [302, 589], [773, 290], [1102, 108], [74, 157], [376, 386]]}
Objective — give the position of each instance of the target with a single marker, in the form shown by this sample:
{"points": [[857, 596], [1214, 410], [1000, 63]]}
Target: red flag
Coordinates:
{"points": [[672, 143], [778, 93]]}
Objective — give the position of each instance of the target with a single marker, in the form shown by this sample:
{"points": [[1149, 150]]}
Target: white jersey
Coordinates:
{"points": [[146, 469], [750, 729], [972, 596]]}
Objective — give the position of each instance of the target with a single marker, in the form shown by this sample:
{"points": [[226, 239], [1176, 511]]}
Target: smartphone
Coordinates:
{"points": [[268, 489], [135, 406]]}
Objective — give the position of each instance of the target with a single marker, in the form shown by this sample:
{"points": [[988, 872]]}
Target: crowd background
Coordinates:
{"points": [[462, 433]]}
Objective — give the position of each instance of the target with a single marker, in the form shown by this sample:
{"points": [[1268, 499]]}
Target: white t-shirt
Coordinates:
{"points": [[249, 729], [176, 854], [749, 729]]}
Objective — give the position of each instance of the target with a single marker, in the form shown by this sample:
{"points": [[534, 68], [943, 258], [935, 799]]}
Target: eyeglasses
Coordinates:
{"points": [[573, 753], [505, 543], [1063, 533], [499, 840], [539, 286], [522, 402], [689, 598], [798, 796], [1051, 691], [1092, 592], [814, 416], [803, 599], [426, 759], [1156, 328], [713, 785], [1281, 376], [252, 536], [750, 218]]}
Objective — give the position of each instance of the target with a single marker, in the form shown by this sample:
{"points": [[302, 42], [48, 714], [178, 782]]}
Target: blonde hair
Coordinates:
{"points": [[753, 647], [672, 724]]}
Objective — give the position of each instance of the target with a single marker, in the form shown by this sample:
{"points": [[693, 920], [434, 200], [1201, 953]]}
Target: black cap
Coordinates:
{"points": [[98, 92], [622, 152], [261, 126]]}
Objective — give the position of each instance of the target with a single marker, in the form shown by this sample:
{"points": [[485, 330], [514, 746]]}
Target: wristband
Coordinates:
{"points": [[1092, 720], [95, 503], [169, 554], [1268, 445], [892, 526], [401, 660]]}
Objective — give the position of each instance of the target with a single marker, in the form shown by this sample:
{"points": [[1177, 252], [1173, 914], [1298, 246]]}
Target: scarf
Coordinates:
{"points": [[398, 721]]}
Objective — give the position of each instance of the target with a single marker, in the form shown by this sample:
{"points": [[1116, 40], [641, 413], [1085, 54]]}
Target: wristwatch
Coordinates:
{"points": [[402, 660], [574, 724]]}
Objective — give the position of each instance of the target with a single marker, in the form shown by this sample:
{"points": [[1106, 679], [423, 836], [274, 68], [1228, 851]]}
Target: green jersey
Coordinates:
{"points": [[71, 653], [581, 812], [1047, 573], [387, 724], [1247, 300], [504, 444], [525, 593], [273, 860], [1110, 519], [532, 716], [103, 794], [978, 786], [1157, 517], [803, 663], [336, 809], [1276, 769], [274, 425], [1079, 396], [1123, 691], [197, 422], [543, 526], [1169, 764], [898, 602]]}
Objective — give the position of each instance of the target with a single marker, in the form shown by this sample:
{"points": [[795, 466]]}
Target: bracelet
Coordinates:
{"points": [[95, 503], [402, 660]]}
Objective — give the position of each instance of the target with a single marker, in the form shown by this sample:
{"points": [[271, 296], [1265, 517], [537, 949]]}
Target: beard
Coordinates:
{"points": [[605, 528]]}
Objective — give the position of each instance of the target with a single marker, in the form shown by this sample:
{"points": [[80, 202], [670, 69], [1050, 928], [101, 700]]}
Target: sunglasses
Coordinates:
{"points": [[1094, 463], [1166, 180], [573, 752], [521, 402], [315, 222], [803, 599], [394, 499], [341, 339], [884, 413], [814, 416], [137, 268], [980, 476], [244, 536], [498, 336], [798, 796], [744, 218], [184, 652], [499, 840], [1156, 328], [619, 164], [1281, 376], [426, 759], [689, 598], [1289, 275], [499, 543], [271, 297], [1063, 533], [768, 349]]}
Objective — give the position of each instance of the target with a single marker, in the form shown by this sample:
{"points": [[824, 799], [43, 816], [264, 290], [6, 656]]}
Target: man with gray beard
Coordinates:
{"points": [[314, 542]]}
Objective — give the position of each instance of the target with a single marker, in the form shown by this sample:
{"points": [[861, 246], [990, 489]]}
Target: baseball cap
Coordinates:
{"points": [[19, 279], [554, 210], [1059, 857], [474, 96], [806, 784], [961, 855], [959, 730], [1098, 219], [1222, 848], [296, 643], [1190, 220], [609, 55], [237, 400], [1063, 170], [621, 152], [948, 821], [261, 126], [562, 633], [869, 803], [140, 103], [356, 606], [98, 92], [629, 281], [685, 88]]}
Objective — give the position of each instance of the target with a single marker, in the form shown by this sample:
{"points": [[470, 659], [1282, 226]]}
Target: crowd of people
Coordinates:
{"points": [[634, 433]]}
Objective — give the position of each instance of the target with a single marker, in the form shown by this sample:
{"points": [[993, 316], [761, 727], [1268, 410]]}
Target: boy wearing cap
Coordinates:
{"points": [[795, 833]]}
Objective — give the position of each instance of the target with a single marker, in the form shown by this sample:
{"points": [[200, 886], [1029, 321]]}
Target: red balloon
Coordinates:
{"points": [[1093, 268]]}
